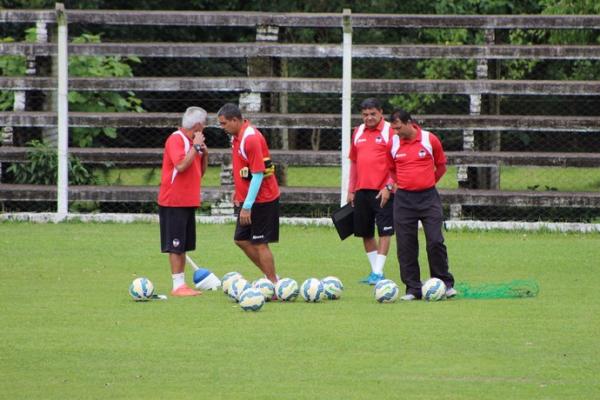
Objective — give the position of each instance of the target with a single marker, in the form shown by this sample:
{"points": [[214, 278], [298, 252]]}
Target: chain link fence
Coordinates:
{"points": [[287, 80]]}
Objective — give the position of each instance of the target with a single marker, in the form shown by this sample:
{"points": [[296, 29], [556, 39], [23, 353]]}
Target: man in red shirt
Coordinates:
{"points": [[256, 190], [370, 186], [184, 162], [419, 163]]}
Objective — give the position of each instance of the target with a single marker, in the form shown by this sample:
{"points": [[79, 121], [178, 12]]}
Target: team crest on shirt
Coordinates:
{"points": [[176, 242], [378, 139], [422, 153]]}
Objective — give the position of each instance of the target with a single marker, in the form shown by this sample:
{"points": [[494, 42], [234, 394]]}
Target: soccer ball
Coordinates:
{"points": [[237, 288], [286, 289], [386, 291], [141, 289], [252, 300], [433, 290], [332, 287], [228, 279], [312, 290], [266, 287]]}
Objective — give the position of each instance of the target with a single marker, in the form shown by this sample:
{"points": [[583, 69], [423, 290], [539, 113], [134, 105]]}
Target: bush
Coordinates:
{"points": [[41, 167]]}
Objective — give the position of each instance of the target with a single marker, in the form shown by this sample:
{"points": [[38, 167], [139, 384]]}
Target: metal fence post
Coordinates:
{"points": [[346, 101], [63, 115]]}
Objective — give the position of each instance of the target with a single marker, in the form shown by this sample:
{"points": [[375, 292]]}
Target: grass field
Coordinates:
{"points": [[70, 331], [511, 178]]}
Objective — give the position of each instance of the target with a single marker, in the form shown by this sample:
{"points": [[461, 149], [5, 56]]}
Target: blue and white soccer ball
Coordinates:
{"points": [[228, 279], [312, 290], [433, 290], [266, 287], [141, 289], [252, 299], [332, 287], [386, 291], [286, 289], [237, 288]]}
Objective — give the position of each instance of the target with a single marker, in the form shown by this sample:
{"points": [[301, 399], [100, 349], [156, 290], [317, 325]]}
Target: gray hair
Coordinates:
{"points": [[192, 116]]}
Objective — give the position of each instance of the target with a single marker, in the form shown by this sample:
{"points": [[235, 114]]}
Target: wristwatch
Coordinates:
{"points": [[389, 187], [198, 148]]}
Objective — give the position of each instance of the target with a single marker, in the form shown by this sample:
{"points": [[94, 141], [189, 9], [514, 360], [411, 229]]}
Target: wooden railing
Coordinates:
{"points": [[152, 156]]}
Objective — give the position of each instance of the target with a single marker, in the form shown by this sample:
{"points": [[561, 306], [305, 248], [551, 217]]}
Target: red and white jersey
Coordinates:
{"points": [[370, 151], [179, 189], [249, 150], [416, 160]]}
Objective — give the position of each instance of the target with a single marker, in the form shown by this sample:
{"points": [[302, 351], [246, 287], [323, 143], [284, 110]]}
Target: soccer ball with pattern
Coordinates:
{"points": [[286, 289], [228, 279], [312, 290], [433, 290], [237, 288], [252, 299], [332, 287], [386, 291], [141, 289], [265, 286]]}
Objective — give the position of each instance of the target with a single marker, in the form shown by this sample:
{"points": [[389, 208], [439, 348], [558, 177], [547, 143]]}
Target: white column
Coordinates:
{"points": [[346, 102], [63, 115]]}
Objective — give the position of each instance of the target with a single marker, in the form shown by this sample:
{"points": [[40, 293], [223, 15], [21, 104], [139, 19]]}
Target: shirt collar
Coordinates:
{"points": [[417, 137], [379, 127], [185, 132], [245, 125]]}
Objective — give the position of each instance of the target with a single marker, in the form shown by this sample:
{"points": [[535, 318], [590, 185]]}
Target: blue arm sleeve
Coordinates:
{"points": [[257, 178]]}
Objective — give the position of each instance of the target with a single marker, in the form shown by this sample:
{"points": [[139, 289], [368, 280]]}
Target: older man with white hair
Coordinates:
{"points": [[185, 160]]}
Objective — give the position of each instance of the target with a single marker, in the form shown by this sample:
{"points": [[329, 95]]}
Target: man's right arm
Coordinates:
{"points": [[352, 182]]}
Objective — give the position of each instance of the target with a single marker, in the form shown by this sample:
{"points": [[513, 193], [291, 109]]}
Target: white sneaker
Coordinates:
{"points": [[450, 293], [408, 297]]}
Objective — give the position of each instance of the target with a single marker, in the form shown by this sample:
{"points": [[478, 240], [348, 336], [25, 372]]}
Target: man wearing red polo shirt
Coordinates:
{"points": [[184, 162], [370, 186], [419, 163], [256, 190]]}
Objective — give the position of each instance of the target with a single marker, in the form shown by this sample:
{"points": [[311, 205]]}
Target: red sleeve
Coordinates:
{"points": [[352, 180], [253, 150], [439, 157], [175, 149], [352, 155]]}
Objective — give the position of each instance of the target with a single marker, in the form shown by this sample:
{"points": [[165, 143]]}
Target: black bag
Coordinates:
{"points": [[343, 220]]}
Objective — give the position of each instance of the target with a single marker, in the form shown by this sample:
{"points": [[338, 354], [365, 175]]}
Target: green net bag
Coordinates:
{"points": [[505, 290]]}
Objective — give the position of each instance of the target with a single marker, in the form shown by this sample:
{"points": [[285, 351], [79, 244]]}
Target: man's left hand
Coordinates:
{"points": [[384, 195], [245, 218]]}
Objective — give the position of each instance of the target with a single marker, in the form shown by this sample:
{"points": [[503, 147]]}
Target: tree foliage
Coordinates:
{"points": [[100, 101]]}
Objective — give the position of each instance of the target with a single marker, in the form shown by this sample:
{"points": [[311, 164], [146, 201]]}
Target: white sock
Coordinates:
{"points": [[178, 280], [372, 255], [379, 263]]}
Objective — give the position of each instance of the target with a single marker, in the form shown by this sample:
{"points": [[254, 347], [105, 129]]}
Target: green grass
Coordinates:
{"points": [[70, 331], [511, 178]]}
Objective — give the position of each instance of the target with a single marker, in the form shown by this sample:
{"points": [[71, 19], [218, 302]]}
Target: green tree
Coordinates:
{"points": [[114, 66], [94, 66], [13, 66]]}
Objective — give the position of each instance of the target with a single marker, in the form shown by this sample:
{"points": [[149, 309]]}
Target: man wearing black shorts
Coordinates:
{"points": [[370, 186], [256, 190], [184, 162]]}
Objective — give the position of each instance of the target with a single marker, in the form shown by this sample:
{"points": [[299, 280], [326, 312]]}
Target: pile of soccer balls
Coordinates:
{"points": [[387, 291], [252, 296]]}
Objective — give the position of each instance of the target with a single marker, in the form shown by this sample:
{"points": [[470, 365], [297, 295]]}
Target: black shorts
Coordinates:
{"points": [[265, 224], [368, 213], [177, 229]]}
